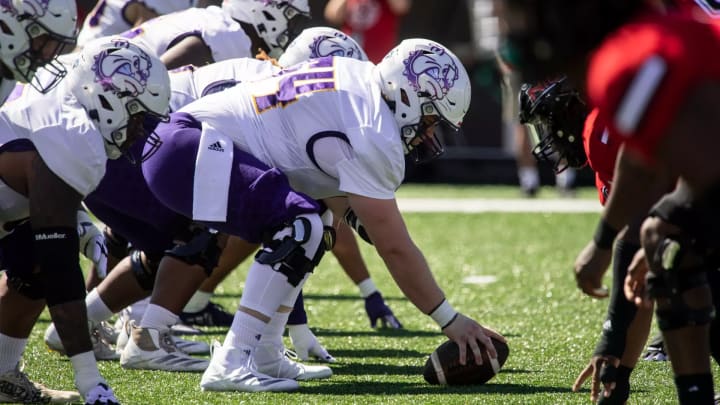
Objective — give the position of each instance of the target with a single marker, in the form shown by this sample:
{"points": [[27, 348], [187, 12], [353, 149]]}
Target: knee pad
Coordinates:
{"points": [[670, 279], [295, 249], [201, 249], [116, 244], [144, 274], [60, 275]]}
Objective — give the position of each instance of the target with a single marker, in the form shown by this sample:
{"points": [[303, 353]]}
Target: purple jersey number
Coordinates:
{"points": [[316, 75]]}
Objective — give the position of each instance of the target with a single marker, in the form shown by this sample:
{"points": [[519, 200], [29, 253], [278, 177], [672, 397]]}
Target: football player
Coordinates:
{"points": [[33, 35], [650, 77], [201, 36], [54, 152], [350, 160], [122, 200], [565, 135]]}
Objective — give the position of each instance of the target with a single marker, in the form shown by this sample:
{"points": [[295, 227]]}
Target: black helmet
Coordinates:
{"points": [[554, 115]]}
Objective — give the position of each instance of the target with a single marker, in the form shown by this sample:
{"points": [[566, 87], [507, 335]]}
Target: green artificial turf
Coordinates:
{"points": [[550, 326]]}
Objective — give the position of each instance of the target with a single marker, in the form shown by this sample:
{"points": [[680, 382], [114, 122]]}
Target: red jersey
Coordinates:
{"points": [[641, 73], [601, 153], [373, 25]]}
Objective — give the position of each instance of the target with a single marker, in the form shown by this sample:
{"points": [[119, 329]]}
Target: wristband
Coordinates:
{"points": [[604, 235], [444, 314]]}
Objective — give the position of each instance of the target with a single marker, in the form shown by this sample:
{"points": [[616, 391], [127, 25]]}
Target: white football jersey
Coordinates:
{"points": [[223, 35], [324, 123], [189, 83], [106, 18], [59, 128]]}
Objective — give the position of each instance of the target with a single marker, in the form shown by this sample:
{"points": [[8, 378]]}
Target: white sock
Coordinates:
{"points": [[245, 331], [87, 375], [265, 289], [137, 309], [198, 301], [157, 317], [367, 287], [529, 177], [275, 328], [11, 349], [97, 311]]}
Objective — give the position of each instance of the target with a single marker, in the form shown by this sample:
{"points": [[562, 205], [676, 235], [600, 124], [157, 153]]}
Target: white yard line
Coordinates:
{"points": [[478, 205]]}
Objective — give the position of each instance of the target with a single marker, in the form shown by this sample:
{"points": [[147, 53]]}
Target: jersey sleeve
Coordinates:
{"points": [[371, 172], [75, 152], [225, 37], [640, 76], [167, 6]]}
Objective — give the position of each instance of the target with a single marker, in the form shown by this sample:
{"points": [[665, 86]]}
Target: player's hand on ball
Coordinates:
{"points": [[466, 332]]}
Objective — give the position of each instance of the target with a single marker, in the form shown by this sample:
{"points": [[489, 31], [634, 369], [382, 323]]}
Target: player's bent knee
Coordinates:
{"points": [[670, 280], [144, 271], [201, 249], [296, 248]]}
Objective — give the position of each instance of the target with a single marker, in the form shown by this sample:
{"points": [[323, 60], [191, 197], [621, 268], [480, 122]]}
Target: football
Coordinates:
{"points": [[443, 366]]}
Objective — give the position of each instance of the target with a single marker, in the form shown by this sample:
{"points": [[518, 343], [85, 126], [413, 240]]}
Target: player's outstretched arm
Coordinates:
{"points": [[386, 228]]}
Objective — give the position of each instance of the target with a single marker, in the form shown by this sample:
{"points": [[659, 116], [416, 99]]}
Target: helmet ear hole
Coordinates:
{"points": [[268, 16], [404, 97], [104, 102]]}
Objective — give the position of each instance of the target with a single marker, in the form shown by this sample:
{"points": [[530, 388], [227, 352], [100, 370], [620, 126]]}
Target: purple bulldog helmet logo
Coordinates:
{"points": [[123, 75], [332, 46], [434, 73]]}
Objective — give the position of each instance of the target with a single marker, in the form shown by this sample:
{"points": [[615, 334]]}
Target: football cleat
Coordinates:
{"points": [[101, 394], [270, 359], [185, 346], [152, 349], [16, 387], [184, 329], [212, 315], [233, 370], [99, 336]]}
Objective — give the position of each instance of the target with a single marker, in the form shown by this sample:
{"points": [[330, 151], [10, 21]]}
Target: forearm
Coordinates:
{"points": [[412, 274]]}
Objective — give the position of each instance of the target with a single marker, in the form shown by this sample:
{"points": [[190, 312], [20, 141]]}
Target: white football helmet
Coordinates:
{"points": [[317, 42], [33, 34], [277, 22], [424, 83], [124, 89]]}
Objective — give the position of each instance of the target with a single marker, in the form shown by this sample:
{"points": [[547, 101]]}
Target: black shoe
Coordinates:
{"points": [[212, 315]]}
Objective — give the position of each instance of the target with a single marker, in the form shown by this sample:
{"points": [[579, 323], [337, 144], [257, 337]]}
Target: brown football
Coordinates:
{"points": [[443, 366]]}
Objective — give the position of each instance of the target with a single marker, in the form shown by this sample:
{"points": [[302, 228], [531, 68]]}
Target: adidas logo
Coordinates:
{"points": [[216, 146]]}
